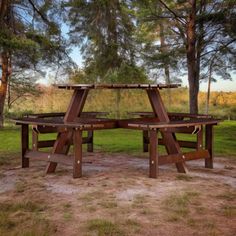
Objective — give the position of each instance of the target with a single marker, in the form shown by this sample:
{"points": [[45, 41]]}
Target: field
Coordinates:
{"points": [[115, 196], [222, 104]]}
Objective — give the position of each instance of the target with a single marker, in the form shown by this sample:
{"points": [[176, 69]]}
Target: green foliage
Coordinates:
{"points": [[105, 29]]}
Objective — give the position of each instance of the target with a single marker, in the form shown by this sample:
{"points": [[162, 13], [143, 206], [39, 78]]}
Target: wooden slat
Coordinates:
{"points": [[171, 124], [170, 114], [46, 143], [182, 143], [83, 124], [50, 143], [62, 114], [178, 158], [115, 86], [45, 156]]}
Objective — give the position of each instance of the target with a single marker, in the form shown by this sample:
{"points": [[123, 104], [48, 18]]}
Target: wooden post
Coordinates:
{"points": [[209, 145], [90, 143], [145, 140], [171, 144], [77, 165], [153, 152], [34, 140], [200, 139], [24, 144]]}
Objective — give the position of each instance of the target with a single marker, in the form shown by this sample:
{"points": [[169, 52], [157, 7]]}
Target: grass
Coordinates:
{"points": [[120, 140], [184, 177], [229, 211], [177, 205], [24, 218], [104, 227]]}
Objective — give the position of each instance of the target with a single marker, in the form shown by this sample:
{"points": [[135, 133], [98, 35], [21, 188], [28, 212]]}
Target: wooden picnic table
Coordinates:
{"points": [[71, 126]]}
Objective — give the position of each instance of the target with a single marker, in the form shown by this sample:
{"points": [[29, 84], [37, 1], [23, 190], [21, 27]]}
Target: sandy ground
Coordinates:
{"points": [[116, 197]]}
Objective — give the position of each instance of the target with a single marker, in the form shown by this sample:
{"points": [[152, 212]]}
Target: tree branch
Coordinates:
{"points": [[175, 15], [38, 11], [220, 48]]}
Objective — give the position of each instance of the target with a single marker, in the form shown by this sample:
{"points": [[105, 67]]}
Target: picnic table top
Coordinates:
{"points": [[116, 86]]}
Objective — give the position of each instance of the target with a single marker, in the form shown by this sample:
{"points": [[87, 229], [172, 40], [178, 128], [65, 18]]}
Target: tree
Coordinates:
{"points": [[29, 41], [204, 27], [104, 30]]}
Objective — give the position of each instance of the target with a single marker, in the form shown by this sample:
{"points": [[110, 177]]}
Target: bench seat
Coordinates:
{"points": [[172, 124]]}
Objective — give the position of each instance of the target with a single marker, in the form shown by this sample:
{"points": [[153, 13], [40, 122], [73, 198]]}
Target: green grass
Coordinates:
{"points": [[177, 205], [121, 140], [104, 227], [24, 218]]}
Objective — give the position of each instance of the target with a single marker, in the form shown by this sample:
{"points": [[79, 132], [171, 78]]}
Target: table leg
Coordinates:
{"points": [[77, 165], [172, 145], [153, 154], [34, 140], [200, 139], [145, 140], [90, 138], [62, 144], [24, 144], [209, 145]]}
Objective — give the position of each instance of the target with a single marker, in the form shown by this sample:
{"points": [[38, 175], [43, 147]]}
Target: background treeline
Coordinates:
{"points": [[50, 99]]}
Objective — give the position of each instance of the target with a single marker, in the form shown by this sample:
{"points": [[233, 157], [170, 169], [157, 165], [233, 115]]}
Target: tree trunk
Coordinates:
{"points": [[209, 85], [193, 77], [3, 84]]}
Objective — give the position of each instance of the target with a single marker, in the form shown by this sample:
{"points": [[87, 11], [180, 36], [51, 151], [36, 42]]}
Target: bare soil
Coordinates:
{"points": [[116, 197]]}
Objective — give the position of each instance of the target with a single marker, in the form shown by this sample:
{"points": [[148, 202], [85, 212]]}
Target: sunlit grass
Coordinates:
{"points": [[121, 140]]}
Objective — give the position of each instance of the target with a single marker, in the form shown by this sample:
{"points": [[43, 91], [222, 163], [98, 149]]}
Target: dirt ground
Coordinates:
{"points": [[116, 197]]}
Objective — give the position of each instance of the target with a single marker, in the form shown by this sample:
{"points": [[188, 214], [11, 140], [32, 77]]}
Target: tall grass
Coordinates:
{"points": [[222, 104]]}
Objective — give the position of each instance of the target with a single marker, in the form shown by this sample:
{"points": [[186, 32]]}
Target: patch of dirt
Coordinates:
{"points": [[116, 188]]}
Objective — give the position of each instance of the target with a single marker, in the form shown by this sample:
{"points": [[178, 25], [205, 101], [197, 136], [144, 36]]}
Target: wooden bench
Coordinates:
{"points": [[74, 129], [173, 116], [196, 124], [58, 116]]}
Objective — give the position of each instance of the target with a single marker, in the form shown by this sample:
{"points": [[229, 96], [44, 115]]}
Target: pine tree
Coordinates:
{"points": [[30, 40]]}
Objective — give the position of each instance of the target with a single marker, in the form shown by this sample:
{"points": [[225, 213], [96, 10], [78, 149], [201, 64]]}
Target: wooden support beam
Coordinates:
{"points": [[35, 141], [153, 155], [209, 145], [178, 158], [145, 141], [24, 145], [90, 141], [46, 156], [200, 139], [77, 165], [76, 105]]}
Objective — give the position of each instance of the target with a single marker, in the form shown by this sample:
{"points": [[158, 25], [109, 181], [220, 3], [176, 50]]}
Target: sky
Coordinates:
{"points": [[220, 85]]}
